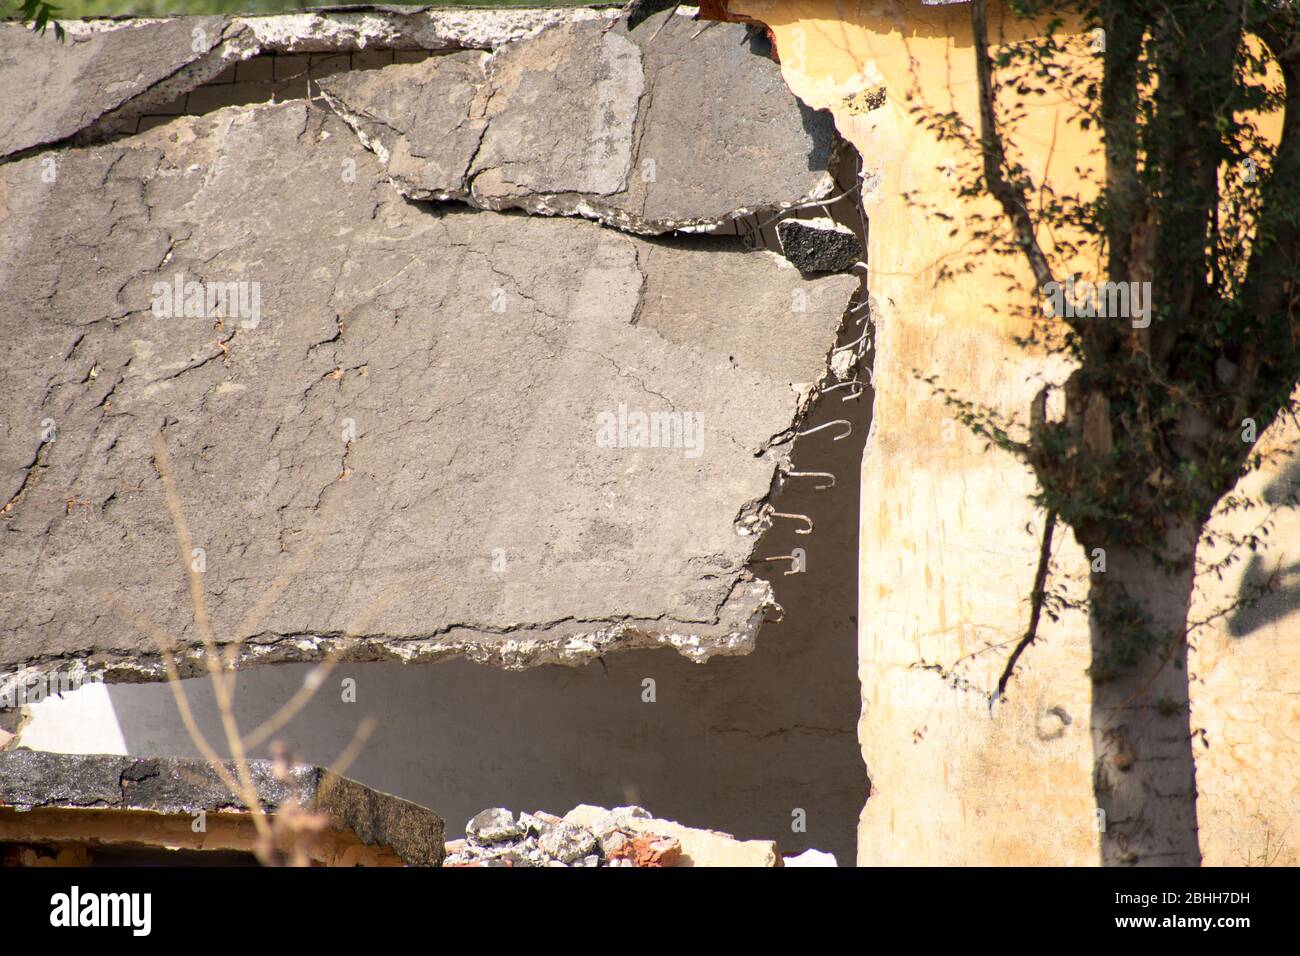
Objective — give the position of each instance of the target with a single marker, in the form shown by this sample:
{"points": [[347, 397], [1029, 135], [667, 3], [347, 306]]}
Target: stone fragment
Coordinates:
{"points": [[496, 825], [819, 245], [568, 842], [843, 362], [626, 836], [710, 847], [536, 823], [612, 843], [648, 849], [602, 821], [623, 814]]}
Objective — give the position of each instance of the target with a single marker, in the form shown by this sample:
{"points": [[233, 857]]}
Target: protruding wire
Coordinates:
{"points": [[813, 474], [772, 513], [848, 429], [811, 203], [794, 560], [860, 338], [849, 384]]}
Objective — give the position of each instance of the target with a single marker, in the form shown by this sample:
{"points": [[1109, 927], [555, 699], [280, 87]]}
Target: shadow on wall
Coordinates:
{"points": [[738, 744], [1283, 599]]}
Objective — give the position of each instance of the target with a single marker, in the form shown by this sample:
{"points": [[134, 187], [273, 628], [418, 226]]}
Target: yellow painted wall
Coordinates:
{"points": [[949, 538]]}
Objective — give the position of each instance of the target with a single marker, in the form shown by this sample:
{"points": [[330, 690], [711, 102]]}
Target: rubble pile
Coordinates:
{"points": [[594, 836]]}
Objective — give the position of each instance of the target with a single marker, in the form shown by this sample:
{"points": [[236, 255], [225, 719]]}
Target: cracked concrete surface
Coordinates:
{"points": [[408, 422], [52, 91], [110, 72], [649, 135]]}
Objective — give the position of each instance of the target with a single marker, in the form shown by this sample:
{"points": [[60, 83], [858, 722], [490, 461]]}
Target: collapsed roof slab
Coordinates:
{"points": [[415, 425]]}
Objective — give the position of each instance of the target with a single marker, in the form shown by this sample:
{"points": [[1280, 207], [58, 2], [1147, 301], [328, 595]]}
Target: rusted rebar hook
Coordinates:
{"points": [[849, 384], [770, 512], [814, 474], [796, 561], [848, 429], [864, 337]]}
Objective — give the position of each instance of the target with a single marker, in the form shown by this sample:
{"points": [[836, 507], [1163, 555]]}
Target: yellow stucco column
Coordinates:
{"points": [[949, 538]]}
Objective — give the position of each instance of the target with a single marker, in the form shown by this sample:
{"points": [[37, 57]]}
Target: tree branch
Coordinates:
{"points": [[1009, 194], [1035, 606]]}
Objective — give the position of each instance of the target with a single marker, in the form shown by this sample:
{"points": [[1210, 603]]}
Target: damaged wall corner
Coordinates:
{"points": [[478, 382], [949, 534]]}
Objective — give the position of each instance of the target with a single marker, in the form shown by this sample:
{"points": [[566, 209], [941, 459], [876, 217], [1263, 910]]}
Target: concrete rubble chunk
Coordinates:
{"points": [[568, 842], [603, 822], [31, 780], [819, 245], [710, 847], [514, 438], [625, 836], [496, 825], [646, 850], [580, 121], [536, 824]]}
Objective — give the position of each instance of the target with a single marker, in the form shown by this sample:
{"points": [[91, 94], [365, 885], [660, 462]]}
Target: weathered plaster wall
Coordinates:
{"points": [[949, 539]]}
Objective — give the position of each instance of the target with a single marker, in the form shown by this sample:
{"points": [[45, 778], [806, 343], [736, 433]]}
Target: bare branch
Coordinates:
{"points": [[1009, 194], [1035, 606]]}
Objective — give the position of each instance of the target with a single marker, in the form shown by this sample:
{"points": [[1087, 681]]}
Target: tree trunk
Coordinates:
{"points": [[1144, 776]]}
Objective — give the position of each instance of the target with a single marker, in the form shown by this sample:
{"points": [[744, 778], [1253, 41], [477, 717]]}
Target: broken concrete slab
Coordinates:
{"points": [[109, 73], [818, 246], [584, 121], [51, 90], [431, 425], [409, 28], [33, 781]]}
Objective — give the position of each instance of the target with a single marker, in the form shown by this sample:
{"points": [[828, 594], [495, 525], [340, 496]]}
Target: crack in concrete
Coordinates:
{"points": [[568, 640]]}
